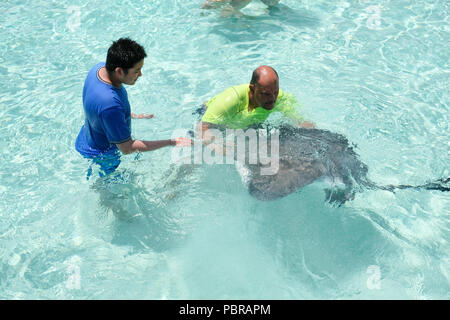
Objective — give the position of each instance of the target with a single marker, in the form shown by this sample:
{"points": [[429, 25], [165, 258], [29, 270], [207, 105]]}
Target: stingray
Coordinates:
{"points": [[310, 155]]}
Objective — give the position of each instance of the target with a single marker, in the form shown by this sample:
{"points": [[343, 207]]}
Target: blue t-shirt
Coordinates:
{"points": [[107, 116]]}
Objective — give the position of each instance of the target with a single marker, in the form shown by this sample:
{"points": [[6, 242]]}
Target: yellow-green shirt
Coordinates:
{"points": [[230, 108]]}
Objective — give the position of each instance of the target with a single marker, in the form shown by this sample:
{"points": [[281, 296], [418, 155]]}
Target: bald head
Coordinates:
{"points": [[264, 75]]}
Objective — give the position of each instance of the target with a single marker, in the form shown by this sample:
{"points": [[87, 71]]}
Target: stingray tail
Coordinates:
{"points": [[439, 185]]}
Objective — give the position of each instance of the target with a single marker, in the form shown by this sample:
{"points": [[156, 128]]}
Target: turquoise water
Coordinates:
{"points": [[375, 71]]}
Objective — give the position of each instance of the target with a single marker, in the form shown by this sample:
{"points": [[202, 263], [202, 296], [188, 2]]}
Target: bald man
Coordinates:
{"points": [[242, 106]]}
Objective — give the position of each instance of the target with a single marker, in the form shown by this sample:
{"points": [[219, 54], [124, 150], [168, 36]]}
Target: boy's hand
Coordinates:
{"points": [[142, 116]]}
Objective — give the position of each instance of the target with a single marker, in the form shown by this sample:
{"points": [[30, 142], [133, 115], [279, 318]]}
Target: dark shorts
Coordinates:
{"points": [[108, 163]]}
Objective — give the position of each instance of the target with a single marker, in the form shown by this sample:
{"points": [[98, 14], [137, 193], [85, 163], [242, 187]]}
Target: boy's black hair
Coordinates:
{"points": [[124, 53]]}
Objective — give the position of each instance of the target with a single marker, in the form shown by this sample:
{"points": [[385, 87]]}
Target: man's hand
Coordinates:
{"points": [[142, 116], [182, 142], [307, 125]]}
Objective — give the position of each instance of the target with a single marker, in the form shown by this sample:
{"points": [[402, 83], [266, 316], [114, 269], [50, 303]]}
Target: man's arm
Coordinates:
{"points": [[288, 105], [118, 132], [131, 145], [207, 137], [307, 124], [202, 132], [141, 116]]}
